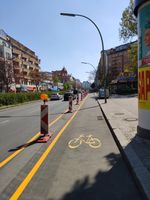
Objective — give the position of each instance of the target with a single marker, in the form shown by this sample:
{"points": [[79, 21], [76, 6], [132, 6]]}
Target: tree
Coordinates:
{"points": [[133, 57], [6, 75], [92, 75], [67, 86], [128, 24], [56, 80]]}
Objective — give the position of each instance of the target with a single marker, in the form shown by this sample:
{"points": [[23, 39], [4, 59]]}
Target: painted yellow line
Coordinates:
{"points": [[28, 178], [4, 162]]}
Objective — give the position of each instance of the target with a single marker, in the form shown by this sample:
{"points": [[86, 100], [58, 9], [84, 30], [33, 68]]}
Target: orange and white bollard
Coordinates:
{"points": [[84, 94], [70, 104], [77, 102], [45, 135], [81, 96]]}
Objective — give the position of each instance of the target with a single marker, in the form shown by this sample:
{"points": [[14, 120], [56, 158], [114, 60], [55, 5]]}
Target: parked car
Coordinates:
{"points": [[67, 94], [101, 93], [55, 96]]}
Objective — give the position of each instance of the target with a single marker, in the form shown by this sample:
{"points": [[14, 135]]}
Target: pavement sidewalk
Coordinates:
{"points": [[122, 116]]}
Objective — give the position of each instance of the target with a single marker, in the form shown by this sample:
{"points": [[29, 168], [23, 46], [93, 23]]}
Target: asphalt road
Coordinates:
{"points": [[73, 164], [19, 124]]}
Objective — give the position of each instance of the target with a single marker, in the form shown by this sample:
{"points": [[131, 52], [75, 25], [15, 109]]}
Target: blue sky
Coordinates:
{"points": [[64, 41]]}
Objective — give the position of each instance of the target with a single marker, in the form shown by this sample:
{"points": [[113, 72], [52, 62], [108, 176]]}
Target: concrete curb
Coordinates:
{"points": [[140, 173]]}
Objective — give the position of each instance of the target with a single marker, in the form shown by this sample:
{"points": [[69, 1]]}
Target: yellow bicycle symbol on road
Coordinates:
{"points": [[89, 139]]}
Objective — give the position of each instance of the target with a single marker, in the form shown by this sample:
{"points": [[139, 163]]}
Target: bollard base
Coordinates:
{"points": [[144, 133], [69, 111], [44, 138]]}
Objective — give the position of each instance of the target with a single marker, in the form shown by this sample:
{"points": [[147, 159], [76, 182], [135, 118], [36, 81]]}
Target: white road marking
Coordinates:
{"points": [[5, 121]]}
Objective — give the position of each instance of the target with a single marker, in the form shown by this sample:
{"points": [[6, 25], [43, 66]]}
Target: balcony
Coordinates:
{"points": [[16, 60], [25, 63], [25, 69], [31, 67], [16, 66], [17, 72], [25, 73], [16, 51]]}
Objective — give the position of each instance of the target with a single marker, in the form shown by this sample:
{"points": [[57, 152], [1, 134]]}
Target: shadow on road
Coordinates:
{"points": [[107, 185], [25, 145], [117, 96]]}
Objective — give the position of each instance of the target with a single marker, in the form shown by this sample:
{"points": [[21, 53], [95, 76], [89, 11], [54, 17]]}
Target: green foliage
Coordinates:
{"points": [[133, 56], [128, 24], [56, 79], [11, 98], [67, 86], [132, 65]]}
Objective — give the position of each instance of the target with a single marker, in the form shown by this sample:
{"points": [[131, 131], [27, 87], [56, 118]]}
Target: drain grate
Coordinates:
{"points": [[119, 113], [99, 118], [131, 119]]}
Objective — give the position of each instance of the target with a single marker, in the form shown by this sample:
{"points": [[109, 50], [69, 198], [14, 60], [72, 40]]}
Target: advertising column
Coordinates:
{"points": [[142, 11]]}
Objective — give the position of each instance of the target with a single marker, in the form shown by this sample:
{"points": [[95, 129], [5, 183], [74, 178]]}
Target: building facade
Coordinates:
{"points": [[25, 63], [6, 64], [19, 66], [118, 67], [61, 75]]}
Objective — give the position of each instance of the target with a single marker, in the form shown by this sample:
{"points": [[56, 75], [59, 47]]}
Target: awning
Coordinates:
{"points": [[31, 88], [18, 86], [114, 81]]}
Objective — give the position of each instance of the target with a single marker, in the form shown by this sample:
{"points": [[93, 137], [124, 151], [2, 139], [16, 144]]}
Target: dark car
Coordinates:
{"points": [[67, 94]]}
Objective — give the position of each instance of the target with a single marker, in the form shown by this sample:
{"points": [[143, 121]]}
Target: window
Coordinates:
{"points": [[8, 55], [1, 53]]}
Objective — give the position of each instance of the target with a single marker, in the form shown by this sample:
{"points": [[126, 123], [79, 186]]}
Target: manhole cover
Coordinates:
{"points": [[119, 113], [131, 119], [99, 118]]}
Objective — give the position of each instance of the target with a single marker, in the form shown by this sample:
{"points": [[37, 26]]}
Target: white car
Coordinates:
{"points": [[55, 96]]}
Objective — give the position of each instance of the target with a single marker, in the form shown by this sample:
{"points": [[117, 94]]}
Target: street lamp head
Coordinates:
{"points": [[68, 14], [84, 62]]}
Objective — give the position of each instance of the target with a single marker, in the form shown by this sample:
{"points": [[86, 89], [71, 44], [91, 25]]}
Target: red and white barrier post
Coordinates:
{"points": [[77, 102], [45, 135], [81, 96], [70, 104]]}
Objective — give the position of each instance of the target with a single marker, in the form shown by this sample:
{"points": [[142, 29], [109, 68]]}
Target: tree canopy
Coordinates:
{"points": [[128, 24]]}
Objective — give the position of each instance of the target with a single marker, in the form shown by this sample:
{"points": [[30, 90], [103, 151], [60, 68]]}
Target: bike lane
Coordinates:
{"points": [[81, 166]]}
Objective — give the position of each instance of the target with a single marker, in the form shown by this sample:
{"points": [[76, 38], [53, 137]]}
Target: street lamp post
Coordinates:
{"points": [[87, 63], [103, 53]]}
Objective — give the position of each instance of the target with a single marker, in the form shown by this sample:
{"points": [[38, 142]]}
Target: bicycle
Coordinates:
{"points": [[90, 140]]}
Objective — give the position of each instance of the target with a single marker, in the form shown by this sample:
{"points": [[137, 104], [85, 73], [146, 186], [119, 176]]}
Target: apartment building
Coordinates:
{"points": [[61, 75], [25, 63], [19, 65], [119, 62], [118, 65]]}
